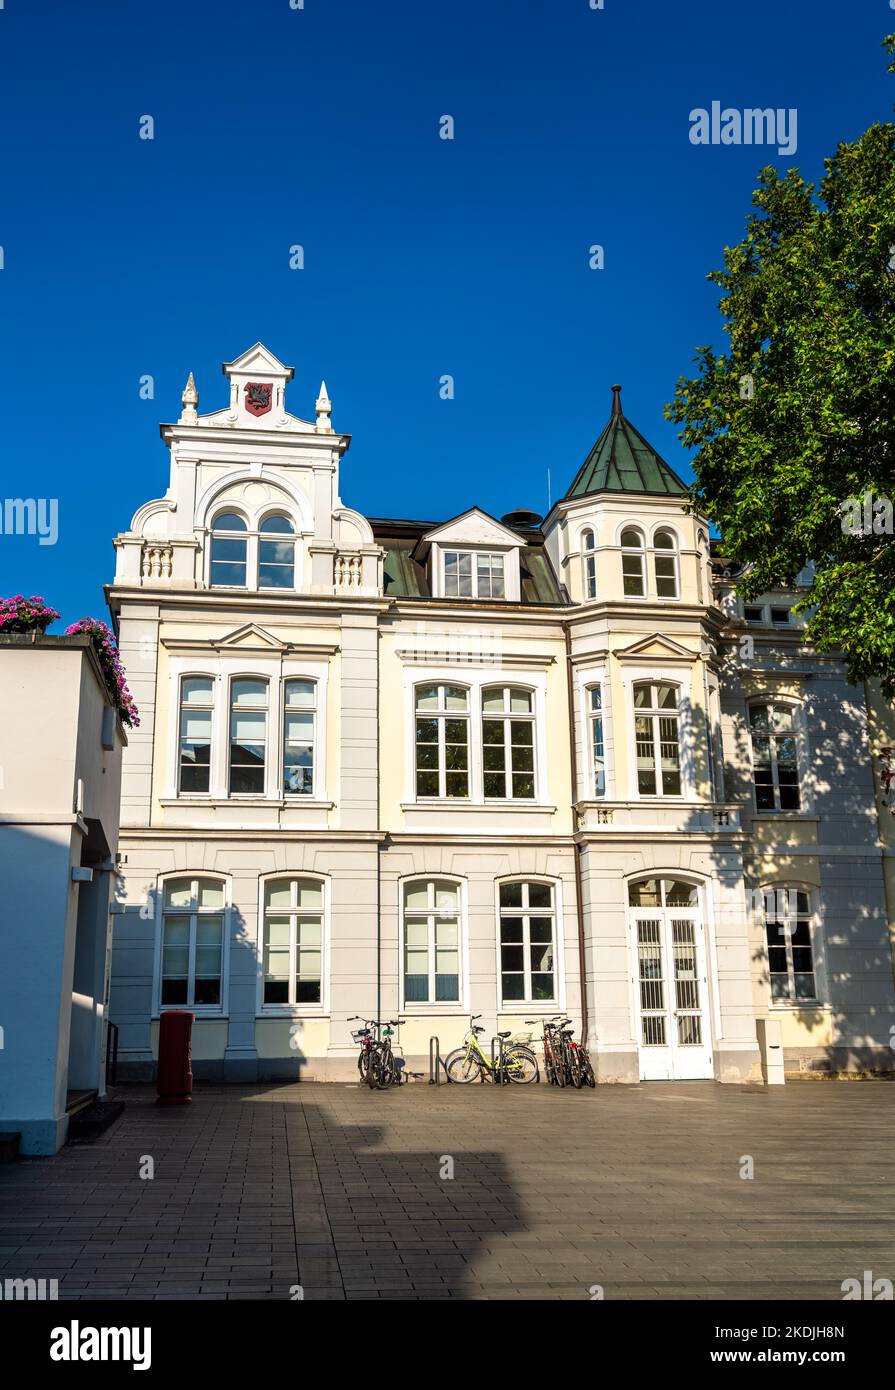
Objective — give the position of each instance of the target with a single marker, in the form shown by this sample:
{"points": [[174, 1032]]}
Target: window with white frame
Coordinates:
{"points": [[474, 574], [589, 560], [229, 551], [192, 943], [775, 764], [657, 738], [665, 564], [241, 558], [633, 563], [597, 748], [431, 941], [442, 741], [299, 720], [276, 554], [196, 717], [788, 928], [248, 736], [293, 942], [528, 972], [508, 753]]}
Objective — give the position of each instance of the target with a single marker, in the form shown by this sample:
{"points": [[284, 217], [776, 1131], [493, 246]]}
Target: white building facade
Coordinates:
{"points": [[513, 767]]}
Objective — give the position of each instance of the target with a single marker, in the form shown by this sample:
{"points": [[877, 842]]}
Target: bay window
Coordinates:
{"points": [[633, 563], [665, 564]]}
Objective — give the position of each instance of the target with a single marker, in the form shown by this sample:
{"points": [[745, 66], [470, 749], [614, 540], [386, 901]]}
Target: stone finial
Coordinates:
{"points": [[324, 411], [190, 399]]}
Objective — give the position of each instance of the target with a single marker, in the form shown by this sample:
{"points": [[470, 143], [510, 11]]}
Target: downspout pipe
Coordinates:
{"points": [[579, 897]]}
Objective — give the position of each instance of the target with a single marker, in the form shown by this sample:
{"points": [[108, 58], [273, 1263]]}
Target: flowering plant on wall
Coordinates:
{"points": [[106, 648], [20, 614], [887, 778]]}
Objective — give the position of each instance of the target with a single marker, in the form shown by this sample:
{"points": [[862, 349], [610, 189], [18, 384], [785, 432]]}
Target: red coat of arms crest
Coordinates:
{"points": [[259, 397]]}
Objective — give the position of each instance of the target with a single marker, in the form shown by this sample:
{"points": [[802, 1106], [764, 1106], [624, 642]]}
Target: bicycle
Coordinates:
{"points": [[565, 1060], [364, 1037], [376, 1062], [554, 1065], [468, 1062]]}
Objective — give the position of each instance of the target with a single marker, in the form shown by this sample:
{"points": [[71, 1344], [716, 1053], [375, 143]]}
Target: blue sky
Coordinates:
{"points": [[423, 257]]}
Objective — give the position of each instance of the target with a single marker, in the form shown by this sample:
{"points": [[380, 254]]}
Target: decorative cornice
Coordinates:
{"points": [[510, 660]]}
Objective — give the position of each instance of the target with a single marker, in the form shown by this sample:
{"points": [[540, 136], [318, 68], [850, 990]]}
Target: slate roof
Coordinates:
{"points": [[623, 461]]}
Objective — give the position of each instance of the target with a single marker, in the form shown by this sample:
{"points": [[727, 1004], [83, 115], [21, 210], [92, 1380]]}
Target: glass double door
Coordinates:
{"points": [[674, 1030]]}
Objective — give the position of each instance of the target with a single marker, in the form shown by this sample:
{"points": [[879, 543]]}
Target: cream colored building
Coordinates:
{"points": [[513, 767]]}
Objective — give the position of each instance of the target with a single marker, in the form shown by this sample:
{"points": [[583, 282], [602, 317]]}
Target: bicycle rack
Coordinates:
{"points": [[498, 1072], [436, 1062]]}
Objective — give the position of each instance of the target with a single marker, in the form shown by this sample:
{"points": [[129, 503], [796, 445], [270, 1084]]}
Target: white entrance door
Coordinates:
{"points": [[670, 983]]}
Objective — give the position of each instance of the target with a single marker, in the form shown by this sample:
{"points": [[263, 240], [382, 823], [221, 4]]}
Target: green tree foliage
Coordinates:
{"points": [[798, 415]]}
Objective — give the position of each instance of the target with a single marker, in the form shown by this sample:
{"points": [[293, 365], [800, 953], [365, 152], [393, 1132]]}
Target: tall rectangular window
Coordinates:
{"points": [[442, 741], [596, 740], [192, 942], [774, 757], [293, 941], [527, 943], [248, 736], [790, 955], [196, 710], [657, 738], [431, 942], [508, 736], [299, 714]]}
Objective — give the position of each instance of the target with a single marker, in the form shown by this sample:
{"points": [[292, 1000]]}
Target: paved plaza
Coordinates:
{"points": [[345, 1193]]}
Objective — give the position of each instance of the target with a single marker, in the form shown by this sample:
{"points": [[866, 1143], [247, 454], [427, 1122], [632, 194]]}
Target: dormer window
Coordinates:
{"points": [[468, 574]]}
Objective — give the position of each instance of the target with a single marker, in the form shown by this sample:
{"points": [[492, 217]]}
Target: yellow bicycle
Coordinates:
{"points": [[467, 1063]]}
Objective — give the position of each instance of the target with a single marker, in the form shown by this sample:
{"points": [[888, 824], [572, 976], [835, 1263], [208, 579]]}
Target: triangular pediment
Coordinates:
{"points": [[656, 647], [473, 527], [252, 637], [256, 361]]}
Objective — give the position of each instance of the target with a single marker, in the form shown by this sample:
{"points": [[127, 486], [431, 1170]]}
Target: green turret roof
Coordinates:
{"points": [[623, 461]]}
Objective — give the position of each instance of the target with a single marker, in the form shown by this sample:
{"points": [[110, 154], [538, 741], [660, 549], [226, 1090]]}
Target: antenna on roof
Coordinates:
{"points": [[548, 491]]}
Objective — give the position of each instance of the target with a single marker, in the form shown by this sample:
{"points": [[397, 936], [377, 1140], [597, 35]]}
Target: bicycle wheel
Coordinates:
{"points": [[373, 1068], [589, 1074], [386, 1070], [559, 1069], [521, 1066], [576, 1076], [363, 1066], [462, 1066]]}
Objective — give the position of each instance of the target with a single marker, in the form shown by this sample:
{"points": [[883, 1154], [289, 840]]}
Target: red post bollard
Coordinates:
{"points": [[175, 1075]]}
